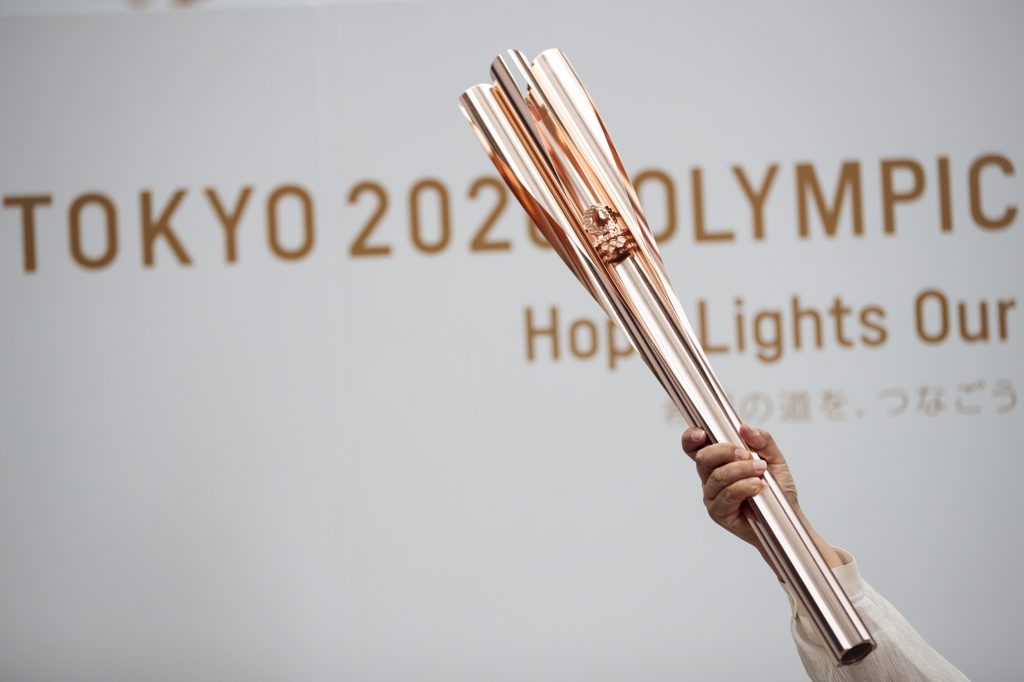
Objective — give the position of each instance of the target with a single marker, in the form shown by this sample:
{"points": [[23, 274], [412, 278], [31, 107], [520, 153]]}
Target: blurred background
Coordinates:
{"points": [[289, 390]]}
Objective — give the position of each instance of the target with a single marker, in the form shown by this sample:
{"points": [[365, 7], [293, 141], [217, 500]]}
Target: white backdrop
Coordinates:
{"points": [[296, 458]]}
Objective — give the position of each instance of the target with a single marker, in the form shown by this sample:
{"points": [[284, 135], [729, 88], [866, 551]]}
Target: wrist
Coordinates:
{"points": [[827, 551]]}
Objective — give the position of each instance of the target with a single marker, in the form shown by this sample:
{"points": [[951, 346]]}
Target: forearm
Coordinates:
{"points": [[832, 558], [827, 551]]}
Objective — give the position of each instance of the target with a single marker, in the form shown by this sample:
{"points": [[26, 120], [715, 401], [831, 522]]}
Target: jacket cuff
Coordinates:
{"points": [[848, 576]]}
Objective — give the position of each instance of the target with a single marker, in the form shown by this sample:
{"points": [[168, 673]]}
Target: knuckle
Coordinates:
{"points": [[718, 478], [716, 451]]}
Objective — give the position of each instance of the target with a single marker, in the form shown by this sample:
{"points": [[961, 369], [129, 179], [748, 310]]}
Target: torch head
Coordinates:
{"points": [[539, 126]]}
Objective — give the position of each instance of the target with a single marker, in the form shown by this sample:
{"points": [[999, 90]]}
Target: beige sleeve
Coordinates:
{"points": [[902, 654]]}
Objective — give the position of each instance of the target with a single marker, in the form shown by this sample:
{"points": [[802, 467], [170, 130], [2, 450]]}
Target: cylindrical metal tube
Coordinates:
{"points": [[673, 352]]}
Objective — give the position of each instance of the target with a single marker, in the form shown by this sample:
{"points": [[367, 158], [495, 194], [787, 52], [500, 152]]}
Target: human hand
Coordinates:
{"points": [[729, 476]]}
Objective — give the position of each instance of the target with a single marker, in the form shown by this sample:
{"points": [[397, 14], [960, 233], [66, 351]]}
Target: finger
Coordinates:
{"points": [[693, 440], [727, 474], [727, 503], [762, 442], [713, 456]]}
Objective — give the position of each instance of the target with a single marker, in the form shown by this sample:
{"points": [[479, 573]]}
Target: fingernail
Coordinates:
{"points": [[760, 465], [754, 483], [740, 453], [698, 435], [754, 432]]}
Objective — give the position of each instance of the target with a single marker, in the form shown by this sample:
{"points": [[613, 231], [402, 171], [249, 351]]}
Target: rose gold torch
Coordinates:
{"points": [[541, 130]]}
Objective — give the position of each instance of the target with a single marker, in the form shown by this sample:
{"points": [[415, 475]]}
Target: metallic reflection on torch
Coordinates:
{"points": [[542, 131]]}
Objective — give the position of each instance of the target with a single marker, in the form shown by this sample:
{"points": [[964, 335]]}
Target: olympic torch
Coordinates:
{"points": [[539, 126]]}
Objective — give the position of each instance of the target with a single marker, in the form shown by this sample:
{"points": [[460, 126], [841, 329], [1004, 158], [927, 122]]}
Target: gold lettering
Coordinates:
{"points": [[161, 227], [875, 325], [982, 333], [586, 351], [839, 312], [308, 234], [807, 182], [444, 214], [229, 220], [75, 230], [769, 347], [891, 197], [27, 203], [799, 314], [757, 197], [1005, 305], [702, 234], [361, 246], [740, 320], [702, 313], [977, 212], [480, 241], [945, 200], [919, 314], [533, 332]]}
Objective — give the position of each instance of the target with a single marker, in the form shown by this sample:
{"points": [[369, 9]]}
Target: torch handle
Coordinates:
{"points": [[798, 560], [656, 324]]}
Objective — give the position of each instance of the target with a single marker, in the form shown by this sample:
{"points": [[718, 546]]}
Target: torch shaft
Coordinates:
{"points": [[659, 329]]}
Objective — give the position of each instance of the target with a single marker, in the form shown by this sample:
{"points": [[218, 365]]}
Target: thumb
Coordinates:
{"points": [[762, 442]]}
